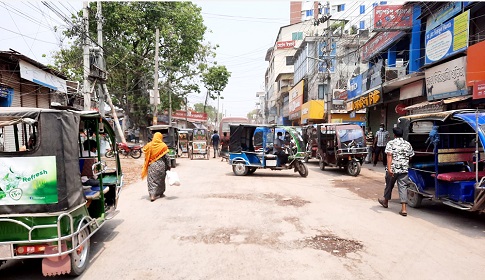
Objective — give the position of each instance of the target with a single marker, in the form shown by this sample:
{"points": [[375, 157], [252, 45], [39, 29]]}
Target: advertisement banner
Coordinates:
{"points": [[446, 80], [442, 14], [372, 77], [285, 45], [28, 180], [355, 87], [449, 38], [475, 68], [379, 42], [296, 99], [479, 90], [191, 116], [392, 17], [369, 99], [41, 77]]}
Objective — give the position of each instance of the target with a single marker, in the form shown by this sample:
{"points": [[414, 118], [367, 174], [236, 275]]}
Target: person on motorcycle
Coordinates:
{"points": [[279, 149]]}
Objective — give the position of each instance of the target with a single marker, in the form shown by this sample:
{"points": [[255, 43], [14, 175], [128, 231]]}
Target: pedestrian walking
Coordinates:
{"points": [[224, 146], [156, 166], [215, 143], [398, 151], [380, 142]]}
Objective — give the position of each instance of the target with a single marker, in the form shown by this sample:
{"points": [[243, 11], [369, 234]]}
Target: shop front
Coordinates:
{"points": [[312, 112]]}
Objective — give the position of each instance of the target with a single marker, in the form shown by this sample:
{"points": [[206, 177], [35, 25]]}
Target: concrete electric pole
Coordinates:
{"points": [[86, 62], [156, 95]]}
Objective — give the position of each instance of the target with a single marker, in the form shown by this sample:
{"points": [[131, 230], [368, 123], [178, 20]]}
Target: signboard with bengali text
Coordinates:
{"points": [[392, 17]]}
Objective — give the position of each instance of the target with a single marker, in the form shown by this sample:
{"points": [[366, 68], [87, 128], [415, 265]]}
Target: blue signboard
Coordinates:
{"points": [[443, 14], [447, 39], [355, 87]]}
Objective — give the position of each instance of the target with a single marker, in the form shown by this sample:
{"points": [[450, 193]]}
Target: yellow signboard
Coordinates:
{"points": [[312, 110]]}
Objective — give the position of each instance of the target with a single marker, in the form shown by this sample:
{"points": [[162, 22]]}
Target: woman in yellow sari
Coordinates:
{"points": [[156, 165]]}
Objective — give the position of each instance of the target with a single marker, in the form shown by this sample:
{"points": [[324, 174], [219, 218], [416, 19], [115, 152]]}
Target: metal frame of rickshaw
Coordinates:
{"points": [[198, 143], [79, 217], [246, 160], [187, 142], [173, 143], [331, 151], [443, 169]]}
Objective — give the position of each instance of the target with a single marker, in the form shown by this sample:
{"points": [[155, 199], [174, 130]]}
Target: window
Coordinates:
{"points": [[374, 4], [362, 25], [309, 13], [289, 60], [340, 8], [362, 9], [297, 36], [327, 11], [383, 3], [321, 92], [19, 135]]}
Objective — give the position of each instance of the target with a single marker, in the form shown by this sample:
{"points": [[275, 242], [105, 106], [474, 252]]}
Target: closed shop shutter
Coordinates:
{"points": [[29, 96], [16, 94], [43, 98]]}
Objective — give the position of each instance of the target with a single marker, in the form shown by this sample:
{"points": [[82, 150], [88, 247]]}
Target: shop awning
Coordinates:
{"points": [[401, 81], [444, 101]]}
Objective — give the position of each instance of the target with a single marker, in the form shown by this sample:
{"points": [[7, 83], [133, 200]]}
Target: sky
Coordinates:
{"points": [[244, 30]]}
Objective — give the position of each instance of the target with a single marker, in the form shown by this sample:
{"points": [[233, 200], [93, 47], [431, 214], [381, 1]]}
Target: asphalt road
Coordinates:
{"points": [[277, 225]]}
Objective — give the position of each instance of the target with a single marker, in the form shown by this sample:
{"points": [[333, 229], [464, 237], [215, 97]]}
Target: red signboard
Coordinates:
{"points": [[191, 116], [377, 43], [479, 90], [392, 17], [400, 109], [285, 44]]}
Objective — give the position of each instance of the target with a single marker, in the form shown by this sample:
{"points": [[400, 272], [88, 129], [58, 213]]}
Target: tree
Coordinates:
{"points": [[129, 44], [210, 110], [215, 80]]}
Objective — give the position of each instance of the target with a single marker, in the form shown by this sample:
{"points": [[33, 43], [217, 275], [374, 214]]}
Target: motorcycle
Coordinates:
{"points": [[123, 149]]}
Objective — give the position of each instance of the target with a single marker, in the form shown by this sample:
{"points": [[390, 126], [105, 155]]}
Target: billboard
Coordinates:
{"points": [[355, 87], [446, 80], [379, 42], [447, 39], [442, 14], [296, 100], [392, 17], [190, 116], [285, 44], [28, 180]]}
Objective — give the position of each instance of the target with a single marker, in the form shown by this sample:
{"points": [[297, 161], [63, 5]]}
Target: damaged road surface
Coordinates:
{"points": [[277, 225]]}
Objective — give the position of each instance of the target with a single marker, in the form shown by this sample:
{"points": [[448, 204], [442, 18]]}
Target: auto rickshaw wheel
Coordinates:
{"points": [[302, 169], [414, 199], [321, 164], [80, 256], [353, 168], [173, 163], [252, 170], [240, 169]]}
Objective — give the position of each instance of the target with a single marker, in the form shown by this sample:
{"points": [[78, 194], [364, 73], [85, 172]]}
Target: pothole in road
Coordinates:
{"points": [[278, 199], [329, 243]]}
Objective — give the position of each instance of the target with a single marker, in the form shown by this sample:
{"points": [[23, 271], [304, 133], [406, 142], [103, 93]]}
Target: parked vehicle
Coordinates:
{"points": [[185, 140], [171, 138], [246, 158], [226, 121], [341, 145], [445, 166], [45, 211], [127, 150], [200, 147]]}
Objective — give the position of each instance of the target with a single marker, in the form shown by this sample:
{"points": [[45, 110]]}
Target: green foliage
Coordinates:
{"points": [[129, 49], [215, 80], [210, 110]]}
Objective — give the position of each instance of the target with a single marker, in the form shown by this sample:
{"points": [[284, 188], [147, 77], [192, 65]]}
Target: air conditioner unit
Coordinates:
{"points": [[394, 73]]}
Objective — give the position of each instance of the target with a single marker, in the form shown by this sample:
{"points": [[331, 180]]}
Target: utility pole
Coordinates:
{"points": [[156, 95], [105, 92], [186, 113], [86, 63], [99, 17], [329, 64]]}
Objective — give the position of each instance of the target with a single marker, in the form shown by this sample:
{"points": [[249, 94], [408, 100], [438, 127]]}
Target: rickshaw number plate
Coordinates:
{"points": [[5, 251], [199, 156]]}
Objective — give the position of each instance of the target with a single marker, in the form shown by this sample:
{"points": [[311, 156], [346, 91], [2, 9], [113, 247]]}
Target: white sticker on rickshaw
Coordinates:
{"points": [[28, 180]]}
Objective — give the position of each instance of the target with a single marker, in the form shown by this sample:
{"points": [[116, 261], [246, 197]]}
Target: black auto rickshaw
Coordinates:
{"points": [[46, 211], [171, 138], [341, 145]]}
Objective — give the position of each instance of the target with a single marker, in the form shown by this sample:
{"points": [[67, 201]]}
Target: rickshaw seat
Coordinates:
{"points": [[460, 176]]}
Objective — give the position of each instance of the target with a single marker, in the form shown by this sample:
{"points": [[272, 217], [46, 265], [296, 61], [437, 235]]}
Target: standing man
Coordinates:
{"points": [[224, 146], [215, 143], [398, 151], [380, 141]]}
